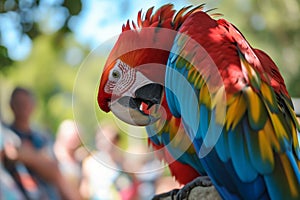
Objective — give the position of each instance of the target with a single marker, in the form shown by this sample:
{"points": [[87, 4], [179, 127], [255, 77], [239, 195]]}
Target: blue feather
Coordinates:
{"points": [[260, 164], [222, 147], [204, 117], [228, 183], [239, 155]]}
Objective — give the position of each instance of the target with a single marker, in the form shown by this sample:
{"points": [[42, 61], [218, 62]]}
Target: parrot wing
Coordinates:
{"points": [[233, 101]]}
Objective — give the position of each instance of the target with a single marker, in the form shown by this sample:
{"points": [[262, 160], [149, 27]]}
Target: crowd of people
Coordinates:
{"points": [[34, 166]]}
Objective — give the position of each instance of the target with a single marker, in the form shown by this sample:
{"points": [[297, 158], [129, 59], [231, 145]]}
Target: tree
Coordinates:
{"points": [[24, 20]]}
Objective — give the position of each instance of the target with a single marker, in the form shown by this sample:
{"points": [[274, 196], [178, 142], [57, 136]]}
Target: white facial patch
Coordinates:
{"points": [[124, 80], [121, 77]]}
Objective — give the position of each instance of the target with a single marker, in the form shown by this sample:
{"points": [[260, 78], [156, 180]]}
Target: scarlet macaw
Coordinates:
{"points": [[229, 97]]}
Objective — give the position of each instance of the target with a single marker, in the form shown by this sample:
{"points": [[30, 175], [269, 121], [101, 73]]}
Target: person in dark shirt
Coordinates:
{"points": [[35, 168]]}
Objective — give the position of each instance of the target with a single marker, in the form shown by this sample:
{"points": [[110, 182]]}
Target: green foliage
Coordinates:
{"points": [[74, 6], [50, 78], [5, 61], [23, 21]]}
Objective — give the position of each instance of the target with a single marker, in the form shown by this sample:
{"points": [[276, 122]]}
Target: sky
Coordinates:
{"points": [[103, 19]]}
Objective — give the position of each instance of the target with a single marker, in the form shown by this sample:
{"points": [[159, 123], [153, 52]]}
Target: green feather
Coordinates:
{"points": [[269, 96], [180, 62]]}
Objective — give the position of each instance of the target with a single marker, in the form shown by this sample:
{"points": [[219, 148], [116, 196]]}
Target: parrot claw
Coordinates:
{"points": [[202, 181], [172, 194], [183, 193]]}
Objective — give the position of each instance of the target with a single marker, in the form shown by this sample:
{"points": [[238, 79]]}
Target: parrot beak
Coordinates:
{"points": [[141, 110]]}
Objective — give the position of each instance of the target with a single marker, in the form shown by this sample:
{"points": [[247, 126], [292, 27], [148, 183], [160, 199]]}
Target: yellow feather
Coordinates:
{"points": [[184, 142], [294, 135], [179, 138], [218, 96], [267, 93], [252, 74], [172, 128], [219, 101], [198, 82], [192, 74], [293, 184], [230, 98], [205, 97], [269, 131], [278, 126], [235, 111], [254, 104], [189, 66], [265, 147]]}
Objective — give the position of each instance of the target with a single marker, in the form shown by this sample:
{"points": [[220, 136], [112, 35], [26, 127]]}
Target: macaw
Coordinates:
{"points": [[166, 136], [227, 97]]}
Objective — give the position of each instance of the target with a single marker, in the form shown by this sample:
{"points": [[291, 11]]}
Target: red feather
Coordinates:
{"points": [[183, 173]]}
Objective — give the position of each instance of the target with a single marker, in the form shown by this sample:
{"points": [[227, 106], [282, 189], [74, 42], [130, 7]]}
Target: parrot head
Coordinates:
{"points": [[130, 94], [132, 82]]}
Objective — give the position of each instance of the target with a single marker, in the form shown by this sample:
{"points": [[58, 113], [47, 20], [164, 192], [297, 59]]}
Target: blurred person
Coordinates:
{"points": [[101, 169], [147, 169], [66, 144], [33, 166], [9, 189]]}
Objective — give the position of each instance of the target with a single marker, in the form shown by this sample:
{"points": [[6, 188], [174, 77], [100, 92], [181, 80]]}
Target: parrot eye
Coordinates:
{"points": [[115, 75]]}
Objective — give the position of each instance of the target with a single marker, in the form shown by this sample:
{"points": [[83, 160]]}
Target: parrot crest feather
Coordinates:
{"points": [[165, 17]]}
